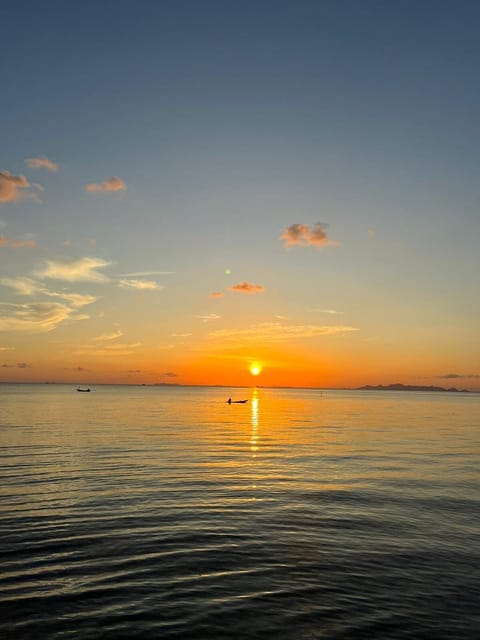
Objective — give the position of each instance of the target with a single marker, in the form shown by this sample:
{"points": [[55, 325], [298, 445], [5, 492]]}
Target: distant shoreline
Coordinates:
{"points": [[368, 387], [411, 387]]}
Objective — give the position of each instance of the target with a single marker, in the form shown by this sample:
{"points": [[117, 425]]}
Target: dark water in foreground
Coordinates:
{"points": [[166, 513]]}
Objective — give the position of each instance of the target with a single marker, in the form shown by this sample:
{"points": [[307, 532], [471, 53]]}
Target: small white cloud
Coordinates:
{"points": [[105, 337], [331, 312], [139, 284], [81, 270], [209, 317]]}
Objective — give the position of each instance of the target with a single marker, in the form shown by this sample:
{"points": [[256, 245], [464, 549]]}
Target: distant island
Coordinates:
{"points": [[409, 387]]}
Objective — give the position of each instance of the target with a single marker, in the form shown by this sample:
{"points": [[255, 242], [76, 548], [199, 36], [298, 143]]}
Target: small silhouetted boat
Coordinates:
{"points": [[230, 401], [87, 390]]}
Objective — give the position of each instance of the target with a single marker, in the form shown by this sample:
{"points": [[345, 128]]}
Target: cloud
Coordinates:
{"points": [[6, 349], [169, 374], [117, 349], [134, 371], [10, 186], [246, 287], [331, 312], [181, 335], [35, 317], [209, 317], [453, 376], [139, 284], [139, 274], [105, 337], [276, 332], [217, 294], [23, 286], [82, 270], [108, 185], [77, 300], [17, 244], [301, 234], [28, 287], [42, 162]]}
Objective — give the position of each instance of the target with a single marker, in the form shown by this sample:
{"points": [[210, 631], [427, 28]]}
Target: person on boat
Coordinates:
{"points": [[229, 401]]}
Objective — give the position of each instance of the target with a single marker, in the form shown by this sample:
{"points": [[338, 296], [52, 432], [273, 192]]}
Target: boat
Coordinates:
{"points": [[87, 390], [230, 401]]}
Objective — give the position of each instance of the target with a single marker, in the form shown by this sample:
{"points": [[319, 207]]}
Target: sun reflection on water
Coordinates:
{"points": [[254, 421]]}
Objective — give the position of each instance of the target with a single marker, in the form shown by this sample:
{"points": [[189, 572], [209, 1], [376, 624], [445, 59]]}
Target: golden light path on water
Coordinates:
{"points": [[254, 420]]}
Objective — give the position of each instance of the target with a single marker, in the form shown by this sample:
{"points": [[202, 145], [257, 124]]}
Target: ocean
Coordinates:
{"points": [[164, 512]]}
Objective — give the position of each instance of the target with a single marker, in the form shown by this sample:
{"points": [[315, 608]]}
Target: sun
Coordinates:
{"points": [[255, 368]]}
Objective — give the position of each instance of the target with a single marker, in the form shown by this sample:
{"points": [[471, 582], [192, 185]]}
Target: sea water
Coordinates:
{"points": [[164, 512]]}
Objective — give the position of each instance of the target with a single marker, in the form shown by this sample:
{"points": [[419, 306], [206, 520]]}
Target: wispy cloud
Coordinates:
{"points": [[247, 287], [276, 332], [30, 287], [10, 186], [23, 286], [6, 349], [35, 317], [42, 162], [109, 185], [117, 349], [81, 270], [17, 244], [332, 312], [217, 294], [209, 317], [303, 235], [139, 284], [105, 337], [181, 335], [140, 274], [77, 300]]}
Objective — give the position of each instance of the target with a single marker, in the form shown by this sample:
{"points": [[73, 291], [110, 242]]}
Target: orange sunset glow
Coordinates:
{"points": [[243, 230]]}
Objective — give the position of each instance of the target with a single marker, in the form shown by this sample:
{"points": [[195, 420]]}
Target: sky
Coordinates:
{"points": [[190, 191]]}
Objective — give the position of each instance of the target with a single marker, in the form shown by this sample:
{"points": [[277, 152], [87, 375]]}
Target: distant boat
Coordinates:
{"points": [[230, 401], [87, 390]]}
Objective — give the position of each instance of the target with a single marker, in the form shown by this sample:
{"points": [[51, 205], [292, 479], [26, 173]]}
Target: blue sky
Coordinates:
{"points": [[227, 123]]}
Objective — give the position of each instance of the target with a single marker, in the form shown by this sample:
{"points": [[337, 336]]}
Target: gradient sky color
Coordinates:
{"points": [[187, 188]]}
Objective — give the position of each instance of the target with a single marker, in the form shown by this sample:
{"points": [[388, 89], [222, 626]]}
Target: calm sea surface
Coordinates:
{"points": [[143, 512]]}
